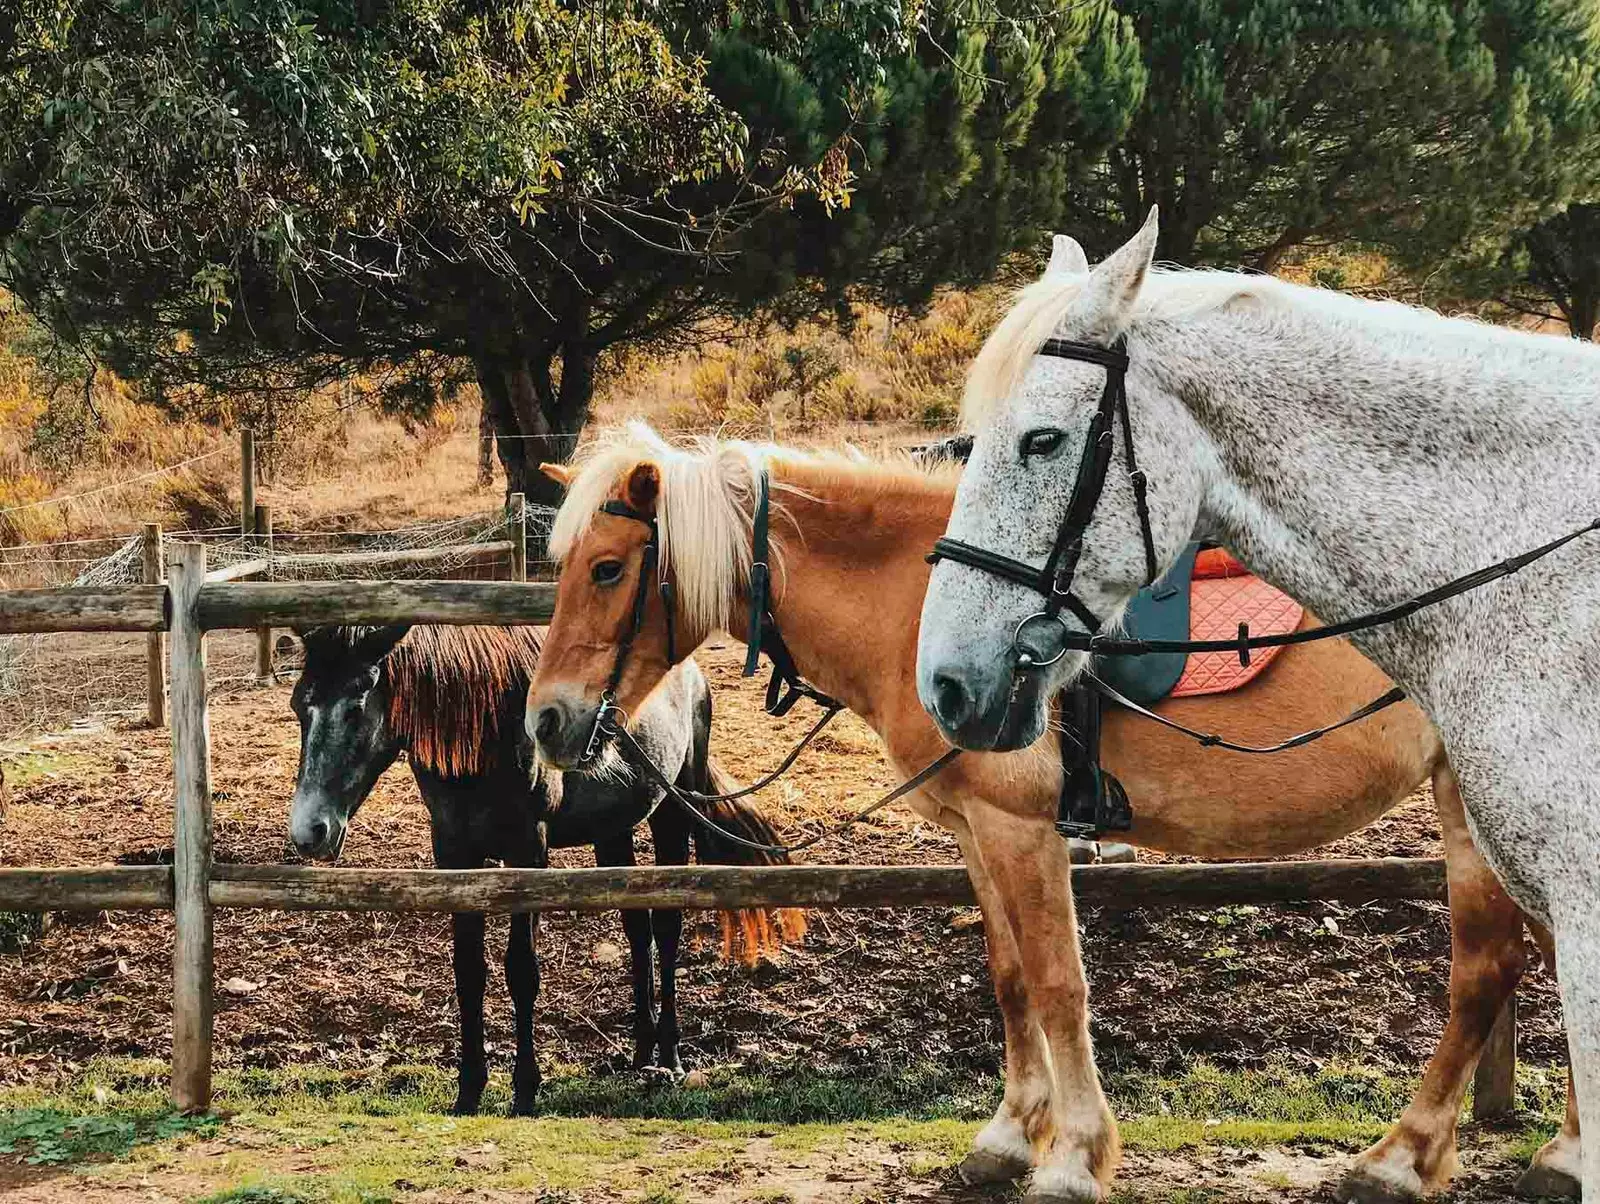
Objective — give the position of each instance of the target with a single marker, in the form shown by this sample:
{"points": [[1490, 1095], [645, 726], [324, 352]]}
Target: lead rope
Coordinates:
{"points": [[687, 799]]}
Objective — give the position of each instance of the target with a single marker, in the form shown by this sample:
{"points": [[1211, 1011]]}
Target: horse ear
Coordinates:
{"points": [[1108, 299], [380, 641], [643, 487], [1066, 257], [559, 473]]}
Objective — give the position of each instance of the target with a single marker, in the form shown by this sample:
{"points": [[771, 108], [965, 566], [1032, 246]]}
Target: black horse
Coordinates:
{"points": [[453, 699]]}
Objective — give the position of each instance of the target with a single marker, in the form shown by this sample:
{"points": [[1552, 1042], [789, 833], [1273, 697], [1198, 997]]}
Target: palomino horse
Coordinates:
{"points": [[1354, 453], [849, 577], [452, 699]]}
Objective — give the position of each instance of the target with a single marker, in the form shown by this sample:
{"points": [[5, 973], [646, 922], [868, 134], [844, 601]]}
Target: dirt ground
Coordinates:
{"points": [[1295, 985]]}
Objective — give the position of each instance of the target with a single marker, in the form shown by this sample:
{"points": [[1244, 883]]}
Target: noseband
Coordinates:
{"points": [[1054, 580]]}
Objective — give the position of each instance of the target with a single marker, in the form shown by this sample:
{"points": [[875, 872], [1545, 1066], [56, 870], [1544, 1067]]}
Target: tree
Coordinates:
{"points": [[1550, 271], [1269, 124], [527, 186]]}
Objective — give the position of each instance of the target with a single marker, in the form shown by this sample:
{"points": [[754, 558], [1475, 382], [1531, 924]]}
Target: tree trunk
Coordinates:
{"points": [[1585, 313], [534, 416]]}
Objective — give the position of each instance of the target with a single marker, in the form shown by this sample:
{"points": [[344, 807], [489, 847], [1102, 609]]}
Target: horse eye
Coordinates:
{"points": [[606, 572], [1042, 442]]}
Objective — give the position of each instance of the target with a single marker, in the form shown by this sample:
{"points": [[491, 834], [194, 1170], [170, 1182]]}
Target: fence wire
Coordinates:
{"points": [[48, 680]]}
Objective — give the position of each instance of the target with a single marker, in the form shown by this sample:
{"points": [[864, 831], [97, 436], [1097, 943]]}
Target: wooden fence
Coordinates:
{"points": [[191, 603]]}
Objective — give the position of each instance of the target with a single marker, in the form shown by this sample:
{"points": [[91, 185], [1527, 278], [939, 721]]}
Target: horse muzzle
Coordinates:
{"points": [[317, 832], [569, 734], [983, 710]]}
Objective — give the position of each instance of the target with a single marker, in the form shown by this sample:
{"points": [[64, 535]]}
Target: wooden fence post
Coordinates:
{"points": [[517, 519], [191, 844], [155, 711], [263, 529], [1494, 1083], [247, 480]]}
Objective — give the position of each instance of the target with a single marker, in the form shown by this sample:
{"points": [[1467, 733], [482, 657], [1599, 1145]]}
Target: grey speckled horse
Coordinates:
{"points": [[1353, 453]]}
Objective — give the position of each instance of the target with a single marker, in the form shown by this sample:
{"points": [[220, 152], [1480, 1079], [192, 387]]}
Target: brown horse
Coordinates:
{"points": [[848, 581]]}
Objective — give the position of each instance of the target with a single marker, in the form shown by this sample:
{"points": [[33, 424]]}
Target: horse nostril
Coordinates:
{"points": [[548, 726], [951, 701], [319, 834]]}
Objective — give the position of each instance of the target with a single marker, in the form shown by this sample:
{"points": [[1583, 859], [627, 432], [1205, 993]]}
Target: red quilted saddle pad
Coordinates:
{"points": [[1222, 595]]}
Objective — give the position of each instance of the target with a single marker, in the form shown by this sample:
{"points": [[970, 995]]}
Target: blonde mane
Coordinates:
{"points": [[704, 510], [1176, 293]]}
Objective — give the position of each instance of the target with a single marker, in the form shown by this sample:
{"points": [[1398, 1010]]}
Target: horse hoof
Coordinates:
{"points": [[524, 1105], [464, 1106], [1063, 1185], [1548, 1183], [1361, 1185], [981, 1167]]}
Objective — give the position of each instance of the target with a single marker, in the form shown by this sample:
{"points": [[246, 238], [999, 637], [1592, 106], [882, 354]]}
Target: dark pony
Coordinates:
{"points": [[453, 699]]}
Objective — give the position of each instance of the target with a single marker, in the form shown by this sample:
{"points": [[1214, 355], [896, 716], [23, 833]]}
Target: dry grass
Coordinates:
{"points": [[894, 373], [77, 465]]}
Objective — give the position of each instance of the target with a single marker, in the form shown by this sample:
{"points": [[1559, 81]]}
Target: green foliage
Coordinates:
{"points": [[19, 929], [1416, 124], [521, 189], [1549, 271], [48, 1136]]}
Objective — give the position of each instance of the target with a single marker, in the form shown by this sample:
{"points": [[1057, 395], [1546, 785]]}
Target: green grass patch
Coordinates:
{"points": [[313, 1135], [51, 1136], [24, 768], [796, 1097]]}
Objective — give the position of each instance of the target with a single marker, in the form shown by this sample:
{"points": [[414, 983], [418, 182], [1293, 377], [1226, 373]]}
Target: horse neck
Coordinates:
{"points": [[1355, 466], [849, 578]]}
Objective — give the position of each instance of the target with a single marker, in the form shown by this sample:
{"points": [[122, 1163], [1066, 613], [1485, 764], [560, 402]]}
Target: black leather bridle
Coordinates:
{"points": [[786, 686], [1054, 580], [649, 561]]}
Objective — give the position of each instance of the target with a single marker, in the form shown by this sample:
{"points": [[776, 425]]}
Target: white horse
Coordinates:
{"points": [[1354, 453]]}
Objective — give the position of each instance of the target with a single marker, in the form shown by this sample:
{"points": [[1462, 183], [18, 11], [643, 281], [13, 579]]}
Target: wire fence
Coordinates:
{"points": [[49, 680]]}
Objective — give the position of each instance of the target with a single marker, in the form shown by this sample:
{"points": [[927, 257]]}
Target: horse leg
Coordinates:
{"points": [[522, 983], [618, 850], [1418, 1155], [1030, 868], [472, 1074], [670, 829], [1576, 924], [1001, 1151], [1557, 1169]]}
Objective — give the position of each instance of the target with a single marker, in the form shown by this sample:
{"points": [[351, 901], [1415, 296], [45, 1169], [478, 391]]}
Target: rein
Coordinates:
{"points": [[1054, 580], [688, 799]]}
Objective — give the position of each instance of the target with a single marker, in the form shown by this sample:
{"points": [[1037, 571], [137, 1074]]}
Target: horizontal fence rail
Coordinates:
{"points": [[319, 888], [194, 601], [251, 604], [84, 608]]}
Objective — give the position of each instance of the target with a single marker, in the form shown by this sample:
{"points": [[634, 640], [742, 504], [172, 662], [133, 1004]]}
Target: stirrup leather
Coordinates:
{"points": [[1092, 800]]}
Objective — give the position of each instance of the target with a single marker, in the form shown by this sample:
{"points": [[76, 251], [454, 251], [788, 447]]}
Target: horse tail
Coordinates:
{"points": [[750, 933]]}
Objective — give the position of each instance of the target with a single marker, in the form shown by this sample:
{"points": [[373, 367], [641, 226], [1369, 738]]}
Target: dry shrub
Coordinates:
{"points": [[201, 501], [886, 370]]}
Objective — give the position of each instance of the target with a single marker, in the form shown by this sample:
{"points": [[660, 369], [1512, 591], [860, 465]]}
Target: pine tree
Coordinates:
{"points": [[1269, 124]]}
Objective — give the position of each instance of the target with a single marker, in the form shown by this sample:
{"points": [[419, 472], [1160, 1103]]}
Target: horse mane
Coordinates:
{"points": [[705, 508], [446, 689], [1171, 294]]}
